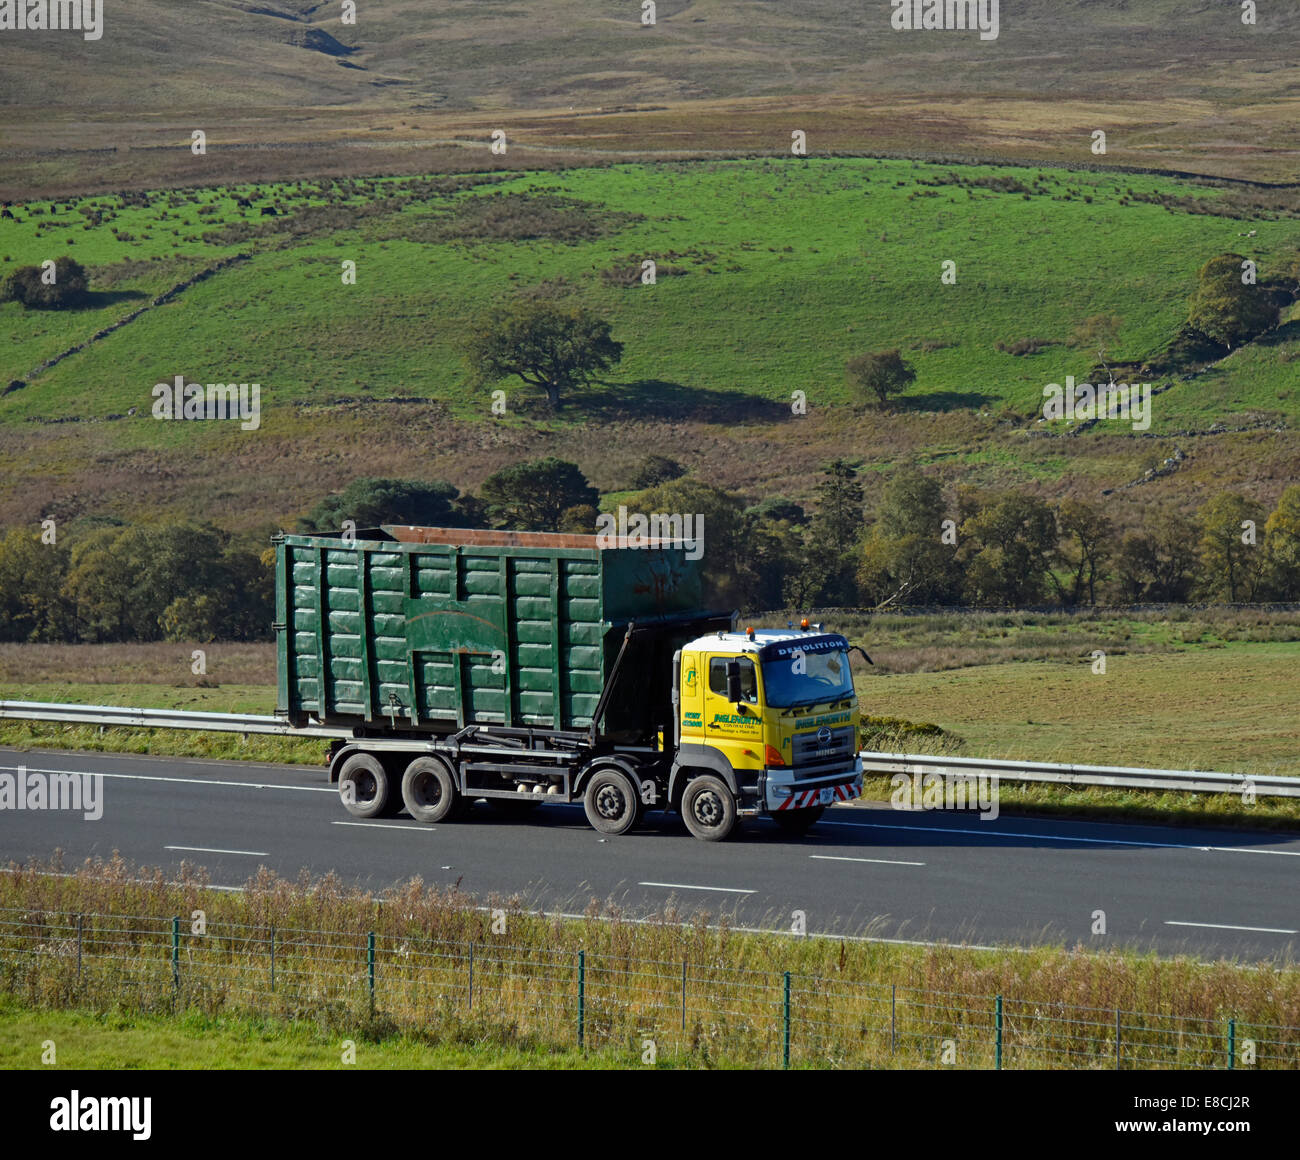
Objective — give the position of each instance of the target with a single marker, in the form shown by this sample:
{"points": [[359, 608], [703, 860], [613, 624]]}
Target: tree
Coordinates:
{"points": [[904, 556], [1282, 546], [371, 502], [1231, 554], [1227, 310], [32, 605], [1090, 535], [1157, 563], [1009, 543], [654, 470], [728, 569], [879, 375], [534, 496], [546, 344], [833, 534], [31, 285]]}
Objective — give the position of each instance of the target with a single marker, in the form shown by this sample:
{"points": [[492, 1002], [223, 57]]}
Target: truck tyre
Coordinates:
{"points": [[709, 808], [364, 786], [429, 791], [797, 822], [612, 803]]}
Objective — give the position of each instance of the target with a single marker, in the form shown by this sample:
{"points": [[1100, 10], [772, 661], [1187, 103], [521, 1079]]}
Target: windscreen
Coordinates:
{"points": [[808, 679]]}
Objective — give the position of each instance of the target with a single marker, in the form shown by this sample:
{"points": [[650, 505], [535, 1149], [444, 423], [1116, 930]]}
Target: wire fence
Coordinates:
{"points": [[528, 995]]}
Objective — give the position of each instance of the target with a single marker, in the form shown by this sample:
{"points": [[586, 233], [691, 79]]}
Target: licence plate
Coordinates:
{"points": [[827, 796]]}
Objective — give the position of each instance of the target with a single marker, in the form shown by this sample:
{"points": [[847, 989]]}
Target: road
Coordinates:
{"points": [[867, 870]]}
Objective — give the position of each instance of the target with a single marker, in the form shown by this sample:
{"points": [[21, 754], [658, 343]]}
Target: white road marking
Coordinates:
{"points": [[1224, 926], [883, 861], [387, 826], [209, 850], [685, 886], [183, 780], [1062, 838]]}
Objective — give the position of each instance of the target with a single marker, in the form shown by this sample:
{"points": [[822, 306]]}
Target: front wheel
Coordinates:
{"points": [[709, 808], [797, 822], [611, 802]]}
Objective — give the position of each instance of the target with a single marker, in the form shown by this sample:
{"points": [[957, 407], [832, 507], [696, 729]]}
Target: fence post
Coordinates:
{"points": [[582, 998], [470, 1004], [273, 958], [997, 1014], [1117, 1040], [785, 1051], [683, 995], [176, 953], [79, 921], [893, 1020], [1232, 1044], [370, 964]]}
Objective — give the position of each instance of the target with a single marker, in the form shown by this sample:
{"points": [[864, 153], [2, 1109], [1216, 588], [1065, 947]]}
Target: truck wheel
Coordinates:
{"points": [[709, 808], [611, 801], [364, 786], [429, 791], [798, 821]]}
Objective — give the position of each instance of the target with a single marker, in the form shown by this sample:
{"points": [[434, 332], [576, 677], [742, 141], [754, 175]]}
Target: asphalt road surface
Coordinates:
{"points": [[944, 876]]}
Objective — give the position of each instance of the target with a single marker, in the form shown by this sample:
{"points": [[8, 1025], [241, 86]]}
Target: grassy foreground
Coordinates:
{"points": [[125, 1041], [504, 985]]}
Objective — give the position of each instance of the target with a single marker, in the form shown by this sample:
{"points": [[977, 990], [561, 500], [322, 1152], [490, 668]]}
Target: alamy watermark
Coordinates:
{"points": [[182, 400], [1105, 400], [946, 791], [84, 16], [655, 530], [946, 15], [30, 789]]}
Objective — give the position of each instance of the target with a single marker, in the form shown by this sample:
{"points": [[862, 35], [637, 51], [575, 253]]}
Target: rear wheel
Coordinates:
{"points": [[709, 808], [429, 791], [364, 786], [611, 801], [797, 821]]}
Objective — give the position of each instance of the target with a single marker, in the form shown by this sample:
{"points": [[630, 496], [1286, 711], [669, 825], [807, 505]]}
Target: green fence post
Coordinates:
{"points": [[998, 1019], [683, 996], [1232, 1044], [893, 1017], [582, 998], [176, 953], [370, 963], [272, 958], [785, 1052], [80, 917], [470, 1004], [1117, 1040]]}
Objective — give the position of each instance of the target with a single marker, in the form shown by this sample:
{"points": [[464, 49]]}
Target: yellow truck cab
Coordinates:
{"points": [[768, 726]]}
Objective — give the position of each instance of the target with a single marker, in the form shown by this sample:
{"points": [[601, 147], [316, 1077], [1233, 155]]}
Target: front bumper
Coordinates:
{"points": [[781, 791]]}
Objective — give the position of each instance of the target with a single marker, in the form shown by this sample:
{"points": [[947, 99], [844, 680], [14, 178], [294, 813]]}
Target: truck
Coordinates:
{"points": [[517, 668]]}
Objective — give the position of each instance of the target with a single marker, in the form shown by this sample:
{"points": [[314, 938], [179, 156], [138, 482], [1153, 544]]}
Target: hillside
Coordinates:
{"points": [[287, 89], [792, 266]]}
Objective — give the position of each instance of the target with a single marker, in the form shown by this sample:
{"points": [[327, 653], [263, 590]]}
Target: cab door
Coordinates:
{"points": [[691, 696], [735, 728]]}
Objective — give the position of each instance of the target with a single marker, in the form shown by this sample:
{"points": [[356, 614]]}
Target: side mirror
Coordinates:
{"points": [[859, 648], [733, 682]]}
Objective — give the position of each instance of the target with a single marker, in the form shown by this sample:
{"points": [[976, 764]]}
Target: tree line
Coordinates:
{"points": [[915, 545]]}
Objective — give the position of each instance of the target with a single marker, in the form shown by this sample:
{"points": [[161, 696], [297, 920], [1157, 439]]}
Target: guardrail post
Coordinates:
{"points": [[785, 1050], [272, 958], [997, 1018], [582, 998], [370, 963], [79, 920], [1232, 1044]]}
